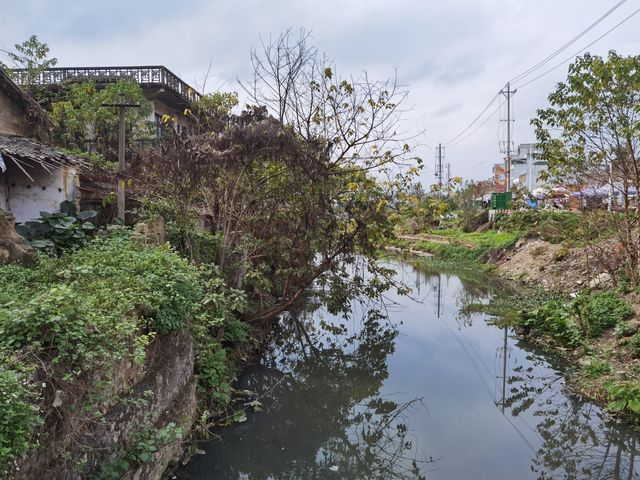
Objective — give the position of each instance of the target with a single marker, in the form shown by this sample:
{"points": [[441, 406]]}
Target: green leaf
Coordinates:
{"points": [[68, 207], [87, 214], [42, 244], [634, 405], [617, 405]]}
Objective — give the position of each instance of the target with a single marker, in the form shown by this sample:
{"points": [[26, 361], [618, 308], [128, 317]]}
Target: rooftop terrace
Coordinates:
{"points": [[152, 76]]}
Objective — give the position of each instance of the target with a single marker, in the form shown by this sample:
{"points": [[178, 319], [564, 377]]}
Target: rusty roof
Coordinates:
{"points": [[27, 153]]}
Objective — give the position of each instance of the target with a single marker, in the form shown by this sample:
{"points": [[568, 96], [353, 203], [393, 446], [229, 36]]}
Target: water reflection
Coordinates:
{"points": [[428, 390], [322, 414]]}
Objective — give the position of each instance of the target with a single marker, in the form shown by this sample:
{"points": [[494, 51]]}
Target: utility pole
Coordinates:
{"points": [[448, 179], [122, 166], [504, 369], [508, 93], [439, 157]]}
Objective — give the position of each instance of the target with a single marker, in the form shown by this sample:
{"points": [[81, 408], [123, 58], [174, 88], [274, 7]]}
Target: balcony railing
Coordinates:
{"points": [[148, 75]]}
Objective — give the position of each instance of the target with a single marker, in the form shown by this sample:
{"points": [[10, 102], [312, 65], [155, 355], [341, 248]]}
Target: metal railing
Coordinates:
{"points": [[145, 75]]}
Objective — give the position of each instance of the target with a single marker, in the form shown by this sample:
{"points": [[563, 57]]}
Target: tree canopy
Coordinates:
{"points": [[32, 55], [593, 123]]}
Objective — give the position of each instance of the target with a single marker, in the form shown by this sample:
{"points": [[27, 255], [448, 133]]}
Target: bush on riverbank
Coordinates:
{"points": [[550, 225], [567, 322], [66, 322]]}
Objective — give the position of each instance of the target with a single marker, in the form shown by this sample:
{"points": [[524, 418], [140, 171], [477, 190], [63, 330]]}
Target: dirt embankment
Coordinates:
{"points": [[569, 270], [552, 266]]}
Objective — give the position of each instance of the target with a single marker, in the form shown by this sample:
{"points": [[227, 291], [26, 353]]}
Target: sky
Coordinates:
{"points": [[452, 56]]}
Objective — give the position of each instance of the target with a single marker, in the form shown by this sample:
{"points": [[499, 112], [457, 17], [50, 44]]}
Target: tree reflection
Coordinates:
{"points": [[322, 415], [572, 439], [576, 440]]}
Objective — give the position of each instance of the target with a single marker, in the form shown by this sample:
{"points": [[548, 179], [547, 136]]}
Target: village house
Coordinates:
{"points": [[34, 177], [526, 166], [164, 90]]}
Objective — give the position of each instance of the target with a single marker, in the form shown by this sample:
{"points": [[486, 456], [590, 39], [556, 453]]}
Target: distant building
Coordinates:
{"points": [[34, 177], [499, 177], [526, 168], [167, 93]]}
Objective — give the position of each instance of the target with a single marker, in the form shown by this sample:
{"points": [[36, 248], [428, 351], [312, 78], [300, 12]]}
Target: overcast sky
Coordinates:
{"points": [[453, 56]]}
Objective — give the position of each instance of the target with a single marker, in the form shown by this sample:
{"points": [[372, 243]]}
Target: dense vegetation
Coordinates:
{"points": [[258, 207]]}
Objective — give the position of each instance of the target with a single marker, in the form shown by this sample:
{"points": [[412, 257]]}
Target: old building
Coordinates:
{"points": [[34, 177], [165, 91], [499, 178], [526, 166]]}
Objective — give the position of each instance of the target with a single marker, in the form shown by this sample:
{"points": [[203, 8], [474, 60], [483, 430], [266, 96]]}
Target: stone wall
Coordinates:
{"points": [[141, 399], [13, 248], [12, 117]]}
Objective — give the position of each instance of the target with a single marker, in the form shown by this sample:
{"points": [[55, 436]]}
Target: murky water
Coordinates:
{"points": [[427, 393]]}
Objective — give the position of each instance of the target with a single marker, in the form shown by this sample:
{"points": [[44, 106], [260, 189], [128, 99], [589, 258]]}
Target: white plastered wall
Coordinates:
{"points": [[26, 198]]}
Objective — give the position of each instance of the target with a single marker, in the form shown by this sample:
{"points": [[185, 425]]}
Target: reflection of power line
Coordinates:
{"points": [[477, 370], [439, 295]]}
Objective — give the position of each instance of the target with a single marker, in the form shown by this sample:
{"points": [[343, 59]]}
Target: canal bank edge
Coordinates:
{"points": [[604, 368]]}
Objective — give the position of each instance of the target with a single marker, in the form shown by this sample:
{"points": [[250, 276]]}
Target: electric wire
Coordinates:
{"points": [[580, 51], [470, 134], [462, 132], [538, 65], [456, 139]]}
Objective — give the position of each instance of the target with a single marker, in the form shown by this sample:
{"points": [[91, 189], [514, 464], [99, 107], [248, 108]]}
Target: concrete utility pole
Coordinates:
{"points": [[122, 166], [448, 179], [439, 157], [508, 93], [504, 370]]}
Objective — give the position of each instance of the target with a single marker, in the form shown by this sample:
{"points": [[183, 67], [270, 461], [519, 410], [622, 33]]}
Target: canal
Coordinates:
{"points": [[415, 388]]}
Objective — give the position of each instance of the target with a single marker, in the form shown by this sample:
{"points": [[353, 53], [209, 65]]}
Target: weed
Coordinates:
{"points": [[634, 345], [596, 367], [624, 396]]}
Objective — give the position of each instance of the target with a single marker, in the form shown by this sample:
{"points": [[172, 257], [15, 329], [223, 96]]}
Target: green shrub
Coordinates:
{"points": [[214, 372], [600, 311], [145, 445], [623, 397], [551, 225], [157, 284], [468, 248], [634, 345], [596, 368], [554, 319], [80, 314], [18, 419], [623, 329], [56, 232], [236, 332], [92, 304]]}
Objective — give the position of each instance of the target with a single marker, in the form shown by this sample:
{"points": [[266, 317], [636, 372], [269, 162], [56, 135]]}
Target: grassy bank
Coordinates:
{"points": [[467, 248]]}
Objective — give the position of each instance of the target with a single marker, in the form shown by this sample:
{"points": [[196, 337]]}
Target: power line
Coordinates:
{"points": [[456, 140], [580, 51], [529, 71], [478, 127], [474, 120]]}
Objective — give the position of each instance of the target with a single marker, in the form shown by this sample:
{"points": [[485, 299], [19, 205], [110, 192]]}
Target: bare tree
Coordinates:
{"points": [[356, 119]]}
